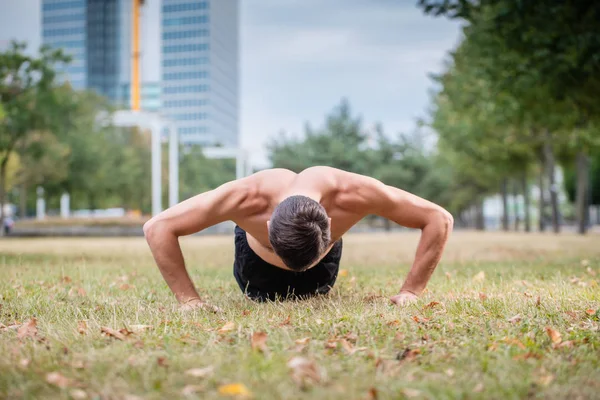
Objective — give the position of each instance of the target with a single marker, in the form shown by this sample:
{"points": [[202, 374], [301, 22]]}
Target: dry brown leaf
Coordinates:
{"points": [[515, 319], [331, 344], [78, 394], [527, 294], [56, 379], [568, 343], [479, 277], [82, 327], [286, 321], [408, 354], [303, 340], [234, 389], [538, 301], [304, 371], [28, 330], [554, 335], [516, 342], [66, 279], [393, 323], [112, 333], [527, 356], [478, 388], [162, 362], [432, 304], [420, 319], [227, 327], [343, 272], [259, 341], [200, 372], [246, 312], [125, 286], [125, 332], [372, 394], [351, 337], [347, 346], [571, 314], [190, 390], [589, 311], [482, 296]]}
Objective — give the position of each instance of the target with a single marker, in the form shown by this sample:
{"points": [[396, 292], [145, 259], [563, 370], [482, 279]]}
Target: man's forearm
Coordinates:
{"points": [[429, 252], [167, 253]]}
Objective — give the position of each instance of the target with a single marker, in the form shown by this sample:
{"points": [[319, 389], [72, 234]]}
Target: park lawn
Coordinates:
{"points": [[505, 316]]}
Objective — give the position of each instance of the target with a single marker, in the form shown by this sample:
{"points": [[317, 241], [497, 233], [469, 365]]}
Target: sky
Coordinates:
{"points": [[299, 58]]}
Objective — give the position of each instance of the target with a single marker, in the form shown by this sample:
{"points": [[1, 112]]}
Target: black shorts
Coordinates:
{"points": [[262, 281]]}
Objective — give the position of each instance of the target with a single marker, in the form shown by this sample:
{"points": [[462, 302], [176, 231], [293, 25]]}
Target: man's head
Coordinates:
{"points": [[299, 231]]}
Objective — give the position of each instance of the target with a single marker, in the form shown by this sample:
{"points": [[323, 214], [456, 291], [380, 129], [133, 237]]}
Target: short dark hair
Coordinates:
{"points": [[299, 231]]}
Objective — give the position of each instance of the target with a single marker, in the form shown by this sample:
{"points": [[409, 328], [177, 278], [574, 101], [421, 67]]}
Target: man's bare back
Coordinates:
{"points": [[250, 202]]}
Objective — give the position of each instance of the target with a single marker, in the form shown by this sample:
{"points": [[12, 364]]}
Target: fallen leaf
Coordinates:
{"points": [[393, 323], [227, 327], [527, 294], [515, 319], [66, 279], [331, 344], [554, 335], [82, 327], [28, 330], [589, 311], [304, 371], [343, 272], [78, 394], [303, 340], [162, 362], [516, 342], [431, 305], [410, 393], [408, 354], [568, 343], [286, 321], [420, 319], [140, 328], [200, 372], [482, 296], [76, 292], [112, 333], [259, 341], [348, 348], [246, 312], [56, 379], [538, 301], [399, 336], [125, 286], [545, 380], [351, 337], [189, 390], [478, 388], [571, 314], [125, 332], [372, 394], [527, 356], [234, 389], [479, 277]]}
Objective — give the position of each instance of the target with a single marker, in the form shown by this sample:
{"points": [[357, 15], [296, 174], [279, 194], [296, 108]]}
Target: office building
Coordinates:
{"points": [[200, 69]]}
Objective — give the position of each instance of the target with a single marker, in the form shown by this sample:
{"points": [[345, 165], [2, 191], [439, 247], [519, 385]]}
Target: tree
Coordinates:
{"points": [[28, 98]]}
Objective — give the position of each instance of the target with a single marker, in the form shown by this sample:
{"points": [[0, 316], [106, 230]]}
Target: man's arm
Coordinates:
{"points": [[162, 232], [410, 211]]}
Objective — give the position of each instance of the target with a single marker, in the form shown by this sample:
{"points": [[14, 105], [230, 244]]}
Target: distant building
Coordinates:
{"points": [[200, 46], [97, 35]]}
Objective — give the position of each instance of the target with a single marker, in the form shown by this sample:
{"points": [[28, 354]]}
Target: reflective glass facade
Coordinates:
{"points": [[97, 35], [200, 69]]}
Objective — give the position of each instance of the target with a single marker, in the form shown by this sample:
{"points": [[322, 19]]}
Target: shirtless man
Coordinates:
{"points": [[288, 238]]}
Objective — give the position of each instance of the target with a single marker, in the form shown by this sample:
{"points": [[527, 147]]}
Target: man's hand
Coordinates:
{"points": [[195, 304], [404, 298]]}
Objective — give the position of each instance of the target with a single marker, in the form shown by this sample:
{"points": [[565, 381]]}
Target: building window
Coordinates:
{"points": [[186, 103], [182, 62], [199, 19], [186, 89], [183, 48], [185, 75], [201, 5], [63, 5], [64, 32], [63, 18], [185, 34]]}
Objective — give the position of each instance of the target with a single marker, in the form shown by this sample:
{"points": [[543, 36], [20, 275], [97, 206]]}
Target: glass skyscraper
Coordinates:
{"points": [[97, 35], [200, 69]]}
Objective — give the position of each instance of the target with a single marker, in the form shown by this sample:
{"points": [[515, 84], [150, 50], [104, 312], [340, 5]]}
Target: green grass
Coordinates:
{"points": [[463, 347]]}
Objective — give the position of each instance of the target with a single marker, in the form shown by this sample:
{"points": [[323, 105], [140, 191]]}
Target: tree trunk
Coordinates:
{"points": [[387, 224], [542, 221], [23, 201], [598, 215], [582, 191], [3, 168], [550, 165], [517, 221], [504, 193], [479, 217], [525, 189]]}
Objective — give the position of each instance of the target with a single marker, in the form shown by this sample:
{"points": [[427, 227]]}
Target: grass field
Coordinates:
{"points": [[505, 316]]}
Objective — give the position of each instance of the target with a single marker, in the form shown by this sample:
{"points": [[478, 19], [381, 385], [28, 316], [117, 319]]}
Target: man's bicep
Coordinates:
{"points": [[402, 207], [202, 211]]}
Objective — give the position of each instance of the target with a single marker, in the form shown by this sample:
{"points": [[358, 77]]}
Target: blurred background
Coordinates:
{"points": [[112, 110]]}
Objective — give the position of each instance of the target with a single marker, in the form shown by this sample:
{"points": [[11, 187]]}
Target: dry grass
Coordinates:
{"points": [[467, 346]]}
